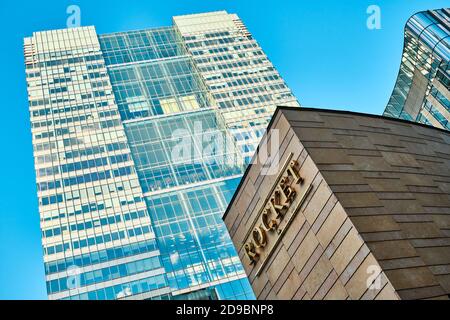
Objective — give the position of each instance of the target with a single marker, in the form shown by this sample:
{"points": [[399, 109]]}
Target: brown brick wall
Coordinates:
{"points": [[380, 197]]}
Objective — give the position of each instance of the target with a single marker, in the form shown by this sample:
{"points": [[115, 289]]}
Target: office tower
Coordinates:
{"points": [[238, 74], [139, 143], [421, 92]]}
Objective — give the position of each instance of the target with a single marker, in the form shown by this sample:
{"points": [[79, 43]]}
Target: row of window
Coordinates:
{"points": [[89, 151], [85, 178], [82, 226], [95, 257], [105, 238], [102, 275], [64, 61], [74, 210], [123, 290], [67, 120], [100, 239]]}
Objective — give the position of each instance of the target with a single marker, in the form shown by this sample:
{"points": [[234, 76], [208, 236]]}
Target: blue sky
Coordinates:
{"points": [[322, 48]]}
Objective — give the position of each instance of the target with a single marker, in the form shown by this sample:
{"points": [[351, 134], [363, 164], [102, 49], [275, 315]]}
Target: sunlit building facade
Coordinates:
{"points": [[238, 74], [140, 139], [421, 92]]}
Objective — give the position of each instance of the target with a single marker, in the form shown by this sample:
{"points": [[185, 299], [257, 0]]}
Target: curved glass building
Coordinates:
{"points": [[421, 92]]}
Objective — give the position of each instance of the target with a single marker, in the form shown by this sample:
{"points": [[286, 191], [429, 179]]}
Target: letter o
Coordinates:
{"points": [[259, 237], [267, 223]]}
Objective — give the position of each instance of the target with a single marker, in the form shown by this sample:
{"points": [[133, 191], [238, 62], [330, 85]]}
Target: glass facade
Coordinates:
{"points": [[139, 143], [238, 74], [422, 90]]}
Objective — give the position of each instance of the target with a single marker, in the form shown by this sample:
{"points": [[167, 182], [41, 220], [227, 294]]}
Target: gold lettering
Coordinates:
{"points": [[279, 195], [267, 223], [250, 251], [292, 171], [290, 194], [284, 181], [276, 209], [259, 237], [273, 213]]}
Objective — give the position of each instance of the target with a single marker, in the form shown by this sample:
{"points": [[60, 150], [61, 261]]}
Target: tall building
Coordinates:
{"points": [[140, 139], [238, 74], [357, 207], [422, 90]]}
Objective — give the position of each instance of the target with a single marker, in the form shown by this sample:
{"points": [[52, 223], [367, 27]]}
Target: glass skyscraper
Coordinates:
{"points": [[140, 139], [422, 90]]}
